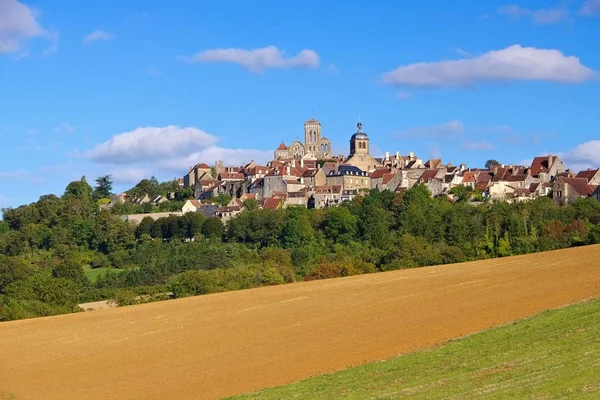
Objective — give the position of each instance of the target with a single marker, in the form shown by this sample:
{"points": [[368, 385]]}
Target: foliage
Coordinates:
{"points": [[61, 250], [103, 188], [489, 164]]}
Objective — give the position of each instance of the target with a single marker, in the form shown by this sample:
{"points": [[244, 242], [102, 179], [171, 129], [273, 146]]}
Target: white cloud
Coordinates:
{"points": [[97, 36], [151, 143], [129, 175], [451, 128], [17, 24], [540, 17], [586, 155], [213, 153], [590, 7], [64, 128], [514, 63], [165, 152], [478, 145], [257, 60]]}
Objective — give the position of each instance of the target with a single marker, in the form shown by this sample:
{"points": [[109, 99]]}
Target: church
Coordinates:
{"points": [[360, 155], [315, 145]]}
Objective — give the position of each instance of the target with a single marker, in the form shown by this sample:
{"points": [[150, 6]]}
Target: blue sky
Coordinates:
{"points": [[138, 88]]}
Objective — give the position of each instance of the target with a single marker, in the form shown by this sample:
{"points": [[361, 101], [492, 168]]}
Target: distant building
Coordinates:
{"points": [[314, 144], [359, 151]]}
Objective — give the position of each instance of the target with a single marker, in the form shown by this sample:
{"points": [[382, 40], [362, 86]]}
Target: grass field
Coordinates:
{"points": [[553, 355], [226, 344], [93, 274]]}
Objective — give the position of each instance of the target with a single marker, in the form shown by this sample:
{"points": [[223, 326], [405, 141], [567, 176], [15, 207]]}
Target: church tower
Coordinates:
{"points": [[359, 142], [312, 136]]}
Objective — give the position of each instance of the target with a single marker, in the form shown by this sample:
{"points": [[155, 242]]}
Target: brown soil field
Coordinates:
{"points": [[213, 346]]}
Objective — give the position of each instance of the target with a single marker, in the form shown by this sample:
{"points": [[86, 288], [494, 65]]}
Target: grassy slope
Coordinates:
{"points": [[553, 355], [93, 274]]}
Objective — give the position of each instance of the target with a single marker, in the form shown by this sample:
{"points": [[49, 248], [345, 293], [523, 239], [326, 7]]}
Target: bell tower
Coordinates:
{"points": [[359, 142], [312, 136]]}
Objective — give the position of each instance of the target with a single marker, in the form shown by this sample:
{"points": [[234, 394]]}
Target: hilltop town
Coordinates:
{"points": [[307, 174]]}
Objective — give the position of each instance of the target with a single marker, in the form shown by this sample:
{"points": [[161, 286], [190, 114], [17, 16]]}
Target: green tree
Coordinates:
{"points": [[79, 189], [489, 164], [213, 228], [103, 188]]}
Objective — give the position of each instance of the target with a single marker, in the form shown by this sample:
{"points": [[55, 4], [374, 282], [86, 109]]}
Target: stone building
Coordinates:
{"points": [[314, 145], [359, 151]]}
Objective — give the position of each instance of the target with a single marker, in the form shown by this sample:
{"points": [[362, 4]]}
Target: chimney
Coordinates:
{"points": [[549, 160], [412, 155], [287, 170], [397, 155], [302, 162], [302, 180], [294, 163], [387, 156]]}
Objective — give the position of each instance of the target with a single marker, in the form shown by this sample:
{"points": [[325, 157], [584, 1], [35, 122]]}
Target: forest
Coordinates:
{"points": [[62, 251]]}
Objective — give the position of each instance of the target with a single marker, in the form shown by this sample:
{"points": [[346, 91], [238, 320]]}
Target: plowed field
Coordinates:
{"points": [[229, 343]]}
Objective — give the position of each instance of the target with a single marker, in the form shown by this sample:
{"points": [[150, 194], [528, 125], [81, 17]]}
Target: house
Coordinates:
{"points": [[195, 173], [546, 168], [468, 179], [501, 190], [348, 194], [158, 200], [377, 177], [349, 177], [596, 193], [141, 200], [592, 176], [191, 206], [226, 213], [208, 210], [430, 180], [297, 199], [567, 190], [271, 203], [211, 192], [325, 196]]}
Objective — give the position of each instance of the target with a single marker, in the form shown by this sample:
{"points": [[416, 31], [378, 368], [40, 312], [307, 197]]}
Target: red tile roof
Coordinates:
{"points": [[282, 146], [469, 177], [379, 173], [232, 175], [541, 164], [517, 178], [270, 203], [428, 175], [580, 185], [589, 174], [387, 178]]}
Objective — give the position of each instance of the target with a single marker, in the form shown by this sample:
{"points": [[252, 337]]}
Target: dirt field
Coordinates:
{"points": [[230, 343]]}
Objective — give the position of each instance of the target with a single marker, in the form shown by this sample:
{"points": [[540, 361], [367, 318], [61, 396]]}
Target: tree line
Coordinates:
{"points": [[49, 249]]}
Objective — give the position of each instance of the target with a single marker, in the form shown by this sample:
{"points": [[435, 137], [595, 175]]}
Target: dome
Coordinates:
{"points": [[360, 136], [359, 133]]}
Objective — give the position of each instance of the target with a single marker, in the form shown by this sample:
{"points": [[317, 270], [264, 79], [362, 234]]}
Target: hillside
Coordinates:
{"points": [[230, 343], [551, 355]]}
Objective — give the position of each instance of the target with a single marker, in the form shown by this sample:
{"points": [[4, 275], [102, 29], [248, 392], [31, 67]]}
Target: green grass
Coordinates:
{"points": [[93, 274], [553, 355]]}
